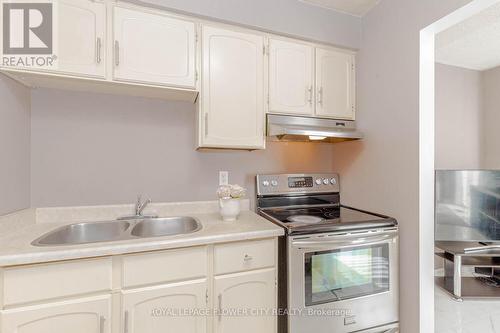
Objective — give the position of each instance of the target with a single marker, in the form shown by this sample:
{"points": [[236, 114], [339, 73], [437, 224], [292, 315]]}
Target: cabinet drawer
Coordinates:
{"points": [[242, 256], [33, 283], [164, 266]]}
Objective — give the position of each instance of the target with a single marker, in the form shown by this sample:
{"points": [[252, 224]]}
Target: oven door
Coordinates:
{"points": [[342, 282]]}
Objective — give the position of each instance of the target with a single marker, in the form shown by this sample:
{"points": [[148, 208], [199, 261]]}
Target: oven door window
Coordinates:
{"points": [[336, 275]]}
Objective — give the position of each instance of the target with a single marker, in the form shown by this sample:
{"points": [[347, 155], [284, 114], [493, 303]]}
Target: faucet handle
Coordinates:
{"points": [[138, 204], [142, 205], [139, 207]]}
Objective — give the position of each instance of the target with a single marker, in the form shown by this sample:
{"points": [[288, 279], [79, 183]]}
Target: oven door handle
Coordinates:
{"points": [[340, 243]]}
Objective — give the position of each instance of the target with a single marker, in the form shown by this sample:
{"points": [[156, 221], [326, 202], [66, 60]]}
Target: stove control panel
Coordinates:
{"points": [[297, 183]]}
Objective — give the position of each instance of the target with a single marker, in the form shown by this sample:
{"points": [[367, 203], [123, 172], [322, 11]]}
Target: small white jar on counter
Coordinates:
{"points": [[229, 201], [229, 208]]}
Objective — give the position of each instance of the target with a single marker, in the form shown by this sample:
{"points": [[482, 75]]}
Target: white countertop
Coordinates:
{"points": [[16, 237]]}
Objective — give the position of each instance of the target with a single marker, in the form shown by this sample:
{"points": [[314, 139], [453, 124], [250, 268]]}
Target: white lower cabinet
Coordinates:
{"points": [[176, 297], [169, 308], [252, 292], [89, 315]]}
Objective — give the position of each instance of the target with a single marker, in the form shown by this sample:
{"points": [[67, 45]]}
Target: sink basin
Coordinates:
{"points": [[167, 226], [93, 232], [82, 233]]}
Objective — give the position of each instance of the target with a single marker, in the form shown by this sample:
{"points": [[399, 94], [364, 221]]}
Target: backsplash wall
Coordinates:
{"points": [[14, 146], [89, 149]]}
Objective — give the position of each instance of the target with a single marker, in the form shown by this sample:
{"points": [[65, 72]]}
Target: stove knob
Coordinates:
{"points": [[319, 181], [274, 182], [333, 181], [265, 183], [326, 181]]}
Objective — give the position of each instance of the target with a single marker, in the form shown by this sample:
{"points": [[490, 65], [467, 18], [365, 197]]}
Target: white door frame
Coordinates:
{"points": [[426, 156]]}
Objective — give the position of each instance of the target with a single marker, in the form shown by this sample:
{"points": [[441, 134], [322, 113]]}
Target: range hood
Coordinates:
{"points": [[306, 129]]}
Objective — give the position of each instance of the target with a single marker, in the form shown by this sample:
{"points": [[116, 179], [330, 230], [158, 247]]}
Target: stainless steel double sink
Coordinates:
{"points": [[108, 231]]}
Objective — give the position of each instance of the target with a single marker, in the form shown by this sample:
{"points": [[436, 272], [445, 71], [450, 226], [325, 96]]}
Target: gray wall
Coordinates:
{"points": [[103, 149], [491, 119], [284, 16], [381, 172], [467, 118], [458, 118], [14, 146]]}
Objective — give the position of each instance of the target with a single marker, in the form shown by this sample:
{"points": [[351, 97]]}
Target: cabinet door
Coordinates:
{"points": [[253, 291], [232, 90], [335, 84], [290, 78], [90, 315], [81, 44], [163, 309], [153, 48]]}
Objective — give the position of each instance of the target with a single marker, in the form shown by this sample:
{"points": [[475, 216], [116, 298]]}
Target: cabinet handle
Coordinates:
{"points": [[320, 96], [247, 257], [117, 53], [309, 94], [98, 50], [125, 322], [101, 324], [206, 123], [219, 313]]}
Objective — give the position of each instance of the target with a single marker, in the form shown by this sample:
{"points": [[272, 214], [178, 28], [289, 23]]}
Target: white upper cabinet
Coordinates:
{"points": [[232, 111], [153, 48], [291, 77], [81, 44], [235, 74], [335, 84]]}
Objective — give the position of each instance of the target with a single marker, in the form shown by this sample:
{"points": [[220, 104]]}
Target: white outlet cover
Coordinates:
{"points": [[223, 177]]}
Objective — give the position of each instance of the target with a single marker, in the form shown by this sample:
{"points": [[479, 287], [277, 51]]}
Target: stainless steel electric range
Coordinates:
{"points": [[338, 268]]}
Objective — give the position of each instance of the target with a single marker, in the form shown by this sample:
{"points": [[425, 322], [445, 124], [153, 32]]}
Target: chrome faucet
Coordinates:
{"points": [[139, 208], [139, 205]]}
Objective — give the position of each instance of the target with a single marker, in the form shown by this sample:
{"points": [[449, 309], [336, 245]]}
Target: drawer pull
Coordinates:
{"points": [[101, 324], [98, 50], [206, 124], [117, 53], [247, 258], [320, 96], [219, 315], [309, 93], [125, 322]]}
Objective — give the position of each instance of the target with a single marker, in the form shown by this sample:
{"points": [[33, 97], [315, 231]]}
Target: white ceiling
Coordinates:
{"points": [[351, 7], [473, 43]]}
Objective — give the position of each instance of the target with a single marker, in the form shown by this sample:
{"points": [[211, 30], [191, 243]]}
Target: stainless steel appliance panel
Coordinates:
{"points": [[359, 302], [297, 183], [467, 205]]}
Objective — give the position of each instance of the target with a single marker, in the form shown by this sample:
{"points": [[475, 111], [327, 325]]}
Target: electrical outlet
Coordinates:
{"points": [[223, 177]]}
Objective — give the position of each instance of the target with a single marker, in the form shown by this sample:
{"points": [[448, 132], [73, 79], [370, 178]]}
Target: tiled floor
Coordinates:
{"points": [[467, 316]]}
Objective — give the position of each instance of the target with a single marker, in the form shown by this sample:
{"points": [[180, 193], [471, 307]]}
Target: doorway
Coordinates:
{"points": [[427, 162]]}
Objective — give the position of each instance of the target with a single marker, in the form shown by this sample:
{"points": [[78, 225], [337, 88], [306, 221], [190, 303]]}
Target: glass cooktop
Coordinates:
{"points": [[308, 215], [312, 219]]}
